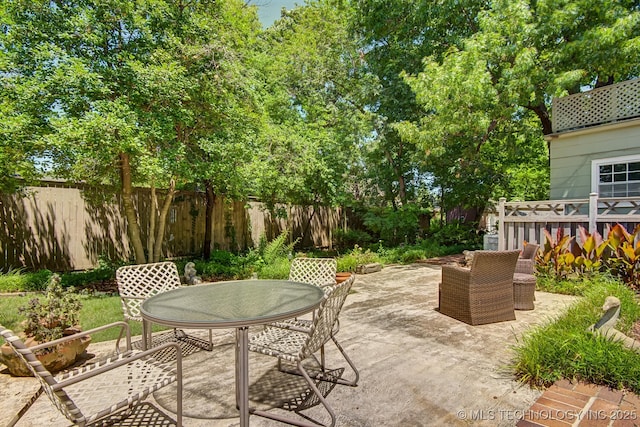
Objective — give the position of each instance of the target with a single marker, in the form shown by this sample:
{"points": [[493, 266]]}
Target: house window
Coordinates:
{"points": [[619, 177]]}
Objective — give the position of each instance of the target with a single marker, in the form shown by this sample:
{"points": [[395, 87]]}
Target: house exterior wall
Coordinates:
{"points": [[572, 154]]}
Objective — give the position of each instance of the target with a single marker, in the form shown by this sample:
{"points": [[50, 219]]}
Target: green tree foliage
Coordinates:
{"points": [[315, 113], [395, 37], [19, 129], [486, 100], [133, 93]]}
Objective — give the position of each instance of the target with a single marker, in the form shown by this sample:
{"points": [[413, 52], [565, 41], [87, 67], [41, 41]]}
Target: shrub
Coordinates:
{"points": [[348, 239], [394, 226], [619, 254], [278, 269], [19, 281], [357, 256], [47, 318], [80, 279], [457, 233], [277, 248], [221, 265]]}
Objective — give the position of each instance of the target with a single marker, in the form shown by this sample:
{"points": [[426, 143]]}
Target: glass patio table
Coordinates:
{"points": [[234, 304]]}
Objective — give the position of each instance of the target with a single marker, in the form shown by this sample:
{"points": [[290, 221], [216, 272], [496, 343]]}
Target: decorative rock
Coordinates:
{"points": [[369, 268]]}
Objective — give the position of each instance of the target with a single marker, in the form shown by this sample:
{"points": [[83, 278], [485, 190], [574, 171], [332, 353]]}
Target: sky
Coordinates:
{"points": [[269, 10]]}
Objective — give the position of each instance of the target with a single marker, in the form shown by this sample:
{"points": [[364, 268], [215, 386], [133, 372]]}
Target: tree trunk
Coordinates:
{"points": [[133, 227], [162, 221], [547, 128], [307, 226], [153, 207], [208, 219]]}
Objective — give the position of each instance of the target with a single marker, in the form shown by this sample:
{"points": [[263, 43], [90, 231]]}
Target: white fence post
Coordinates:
{"points": [[593, 212], [501, 224]]}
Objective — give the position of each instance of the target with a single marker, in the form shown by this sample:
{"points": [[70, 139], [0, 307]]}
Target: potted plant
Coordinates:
{"points": [[47, 319], [341, 276]]}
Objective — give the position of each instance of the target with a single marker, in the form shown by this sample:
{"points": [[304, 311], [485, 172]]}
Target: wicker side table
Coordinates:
{"points": [[524, 287]]}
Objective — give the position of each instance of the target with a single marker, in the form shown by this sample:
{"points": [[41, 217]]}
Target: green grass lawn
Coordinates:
{"points": [[96, 311]]}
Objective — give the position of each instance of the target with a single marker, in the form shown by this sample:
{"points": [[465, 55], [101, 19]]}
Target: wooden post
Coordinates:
{"points": [[501, 224], [593, 212]]}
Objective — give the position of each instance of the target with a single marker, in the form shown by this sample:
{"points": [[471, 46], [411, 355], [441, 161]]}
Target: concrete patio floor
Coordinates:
{"points": [[417, 366]]}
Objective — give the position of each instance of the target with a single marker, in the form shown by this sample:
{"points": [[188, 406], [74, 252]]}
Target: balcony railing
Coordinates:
{"points": [[607, 104]]}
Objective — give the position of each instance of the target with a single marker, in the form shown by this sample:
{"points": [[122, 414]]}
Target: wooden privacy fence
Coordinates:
{"points": [[524, 221], [65, 227]]}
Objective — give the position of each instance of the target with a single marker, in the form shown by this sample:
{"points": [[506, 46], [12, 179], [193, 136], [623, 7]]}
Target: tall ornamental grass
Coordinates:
{"points": [[564, 348]]}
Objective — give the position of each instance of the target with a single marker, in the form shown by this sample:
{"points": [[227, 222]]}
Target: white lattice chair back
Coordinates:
{"points": [[316, 271], [326, 317], [138, 282]]}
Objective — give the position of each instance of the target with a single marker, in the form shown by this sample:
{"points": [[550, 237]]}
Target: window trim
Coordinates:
{"points": [[595, 168]]}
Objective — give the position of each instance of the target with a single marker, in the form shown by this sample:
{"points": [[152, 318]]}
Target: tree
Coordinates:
{"points": [[315, 114], [482, 97], [20, 123], [395, 37], [216, 46], [121, 88]]}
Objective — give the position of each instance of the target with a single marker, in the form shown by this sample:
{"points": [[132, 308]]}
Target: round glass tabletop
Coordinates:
{"points": [[231, 304]]}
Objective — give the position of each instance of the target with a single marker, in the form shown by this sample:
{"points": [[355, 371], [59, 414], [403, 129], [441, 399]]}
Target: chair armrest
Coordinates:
{"points": [[122, 361], [525, 266], [124, 332], [455, 273]]}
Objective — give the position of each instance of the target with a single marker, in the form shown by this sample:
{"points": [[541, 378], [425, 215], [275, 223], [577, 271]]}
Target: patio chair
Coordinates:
{"points": [[482, 294], [138, 282], [298, 346], [316, 271], [108, 391], [527, 260]]}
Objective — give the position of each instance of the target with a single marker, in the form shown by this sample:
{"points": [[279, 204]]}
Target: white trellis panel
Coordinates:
{"points": [[603, 105]]}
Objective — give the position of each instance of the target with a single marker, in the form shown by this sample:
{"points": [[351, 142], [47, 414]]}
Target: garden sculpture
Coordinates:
{"points": [[190, 274], [606, 324]]}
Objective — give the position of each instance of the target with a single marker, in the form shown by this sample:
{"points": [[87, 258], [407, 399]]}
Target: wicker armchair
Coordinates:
{"points": [[482, 294], [138, 282], [107, 391], [298, 346], [527, 261], [524, 279]]}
